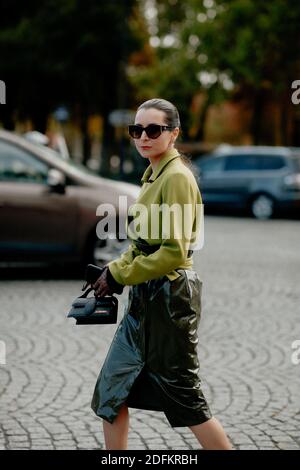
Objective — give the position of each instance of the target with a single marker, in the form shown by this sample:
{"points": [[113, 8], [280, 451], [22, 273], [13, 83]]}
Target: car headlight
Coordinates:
{"points": [[292, 182]]}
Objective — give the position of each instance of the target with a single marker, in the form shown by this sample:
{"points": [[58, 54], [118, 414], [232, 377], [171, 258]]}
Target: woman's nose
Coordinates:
{"points": [[144, 135]]}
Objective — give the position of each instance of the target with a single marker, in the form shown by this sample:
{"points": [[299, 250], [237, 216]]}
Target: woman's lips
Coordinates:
{"points": [[145, 147]]}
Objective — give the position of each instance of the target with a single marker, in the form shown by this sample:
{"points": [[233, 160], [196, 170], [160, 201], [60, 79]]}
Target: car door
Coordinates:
{"points": [[210, 179], [36, 223], [239, 172]]}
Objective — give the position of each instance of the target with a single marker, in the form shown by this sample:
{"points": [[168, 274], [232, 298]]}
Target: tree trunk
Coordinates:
{"points": [[277, 123], [286, 127], [107, 146], [86, 141], [202, 120], [255, 127], [6, 117], [40, 118]]}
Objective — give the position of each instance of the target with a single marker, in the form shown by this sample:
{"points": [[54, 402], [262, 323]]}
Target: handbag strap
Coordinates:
{"points": [[114, 299], [86, 293]]}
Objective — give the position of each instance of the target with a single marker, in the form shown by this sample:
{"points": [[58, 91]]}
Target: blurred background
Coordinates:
{"points": [[72, 74], [228, 65], [75, 71]]}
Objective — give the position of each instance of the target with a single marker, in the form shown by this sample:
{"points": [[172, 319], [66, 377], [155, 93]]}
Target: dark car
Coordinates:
{"points": [[259, 179], [48, 207]]}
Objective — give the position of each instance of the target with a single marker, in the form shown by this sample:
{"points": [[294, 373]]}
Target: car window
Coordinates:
{"points": [[17, 164], [211, 165], [242, 163], [272, 162], [81, 167], [254, 162], [296, 157]]}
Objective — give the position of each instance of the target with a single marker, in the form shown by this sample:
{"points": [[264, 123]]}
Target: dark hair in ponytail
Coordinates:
{"points": [[171, 117]]}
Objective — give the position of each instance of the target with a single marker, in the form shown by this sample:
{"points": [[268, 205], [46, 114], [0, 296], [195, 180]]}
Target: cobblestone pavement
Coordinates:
{"points": [[250, 316]]}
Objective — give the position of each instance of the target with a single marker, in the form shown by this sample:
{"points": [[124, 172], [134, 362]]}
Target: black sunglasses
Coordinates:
{"points": [[153, 131]]}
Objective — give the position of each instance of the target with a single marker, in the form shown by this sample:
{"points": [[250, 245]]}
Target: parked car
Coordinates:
{"points": [[55, 141], [260, 179], [48, 207]]}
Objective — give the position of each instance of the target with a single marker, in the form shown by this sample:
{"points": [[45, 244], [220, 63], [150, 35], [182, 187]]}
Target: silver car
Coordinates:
{"points": [[262, 180]]}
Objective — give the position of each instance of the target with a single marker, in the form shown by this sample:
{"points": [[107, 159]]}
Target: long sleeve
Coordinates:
{"points": [[127, 256], [176, 189], [113, 284]]}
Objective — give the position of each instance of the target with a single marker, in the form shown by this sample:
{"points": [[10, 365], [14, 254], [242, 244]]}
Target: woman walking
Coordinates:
{"points": [[152, 362]]}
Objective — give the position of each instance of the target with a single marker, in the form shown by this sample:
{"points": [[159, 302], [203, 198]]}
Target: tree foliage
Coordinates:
{"points": [[67, 52], [224, 46]]}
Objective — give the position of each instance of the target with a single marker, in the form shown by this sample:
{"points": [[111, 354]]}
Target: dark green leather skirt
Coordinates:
{"points": [[152, 362]]}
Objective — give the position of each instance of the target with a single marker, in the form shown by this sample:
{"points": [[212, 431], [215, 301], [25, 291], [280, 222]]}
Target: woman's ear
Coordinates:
{"points": [[175, 133]]}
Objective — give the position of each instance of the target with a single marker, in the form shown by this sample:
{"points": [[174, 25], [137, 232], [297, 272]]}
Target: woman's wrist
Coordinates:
{"points": [[112, 283]]}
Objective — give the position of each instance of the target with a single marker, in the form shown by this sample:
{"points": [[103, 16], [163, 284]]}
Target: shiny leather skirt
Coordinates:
{"points": [[152, 362]]}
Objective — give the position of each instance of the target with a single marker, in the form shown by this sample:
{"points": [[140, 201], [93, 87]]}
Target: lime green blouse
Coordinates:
{"points": [[171, 182]]}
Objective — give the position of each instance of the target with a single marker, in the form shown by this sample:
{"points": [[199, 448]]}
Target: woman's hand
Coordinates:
{"points": [[101, 286]]}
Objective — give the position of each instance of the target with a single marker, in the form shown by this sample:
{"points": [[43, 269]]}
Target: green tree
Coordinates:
{"points": [[256, 44], [225, 48], [69, 52]]}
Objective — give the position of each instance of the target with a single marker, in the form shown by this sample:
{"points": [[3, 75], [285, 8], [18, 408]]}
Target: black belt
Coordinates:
{"points": [[148, 249]]}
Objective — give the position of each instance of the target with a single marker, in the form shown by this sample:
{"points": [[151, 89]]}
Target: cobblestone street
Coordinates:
{"points": [[250, 317]]}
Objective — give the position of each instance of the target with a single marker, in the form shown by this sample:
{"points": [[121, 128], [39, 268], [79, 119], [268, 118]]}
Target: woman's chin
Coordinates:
{"points": [[144, 153]]}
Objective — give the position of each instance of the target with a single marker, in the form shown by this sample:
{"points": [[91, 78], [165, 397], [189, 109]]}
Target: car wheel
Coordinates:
{"points": [[263, 207]]}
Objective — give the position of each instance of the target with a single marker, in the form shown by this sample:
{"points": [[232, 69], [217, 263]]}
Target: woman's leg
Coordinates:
{"points": [[211, 435], [116, 434]]}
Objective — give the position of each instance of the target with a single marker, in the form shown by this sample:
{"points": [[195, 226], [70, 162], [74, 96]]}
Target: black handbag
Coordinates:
{"points": [[94, 310]]}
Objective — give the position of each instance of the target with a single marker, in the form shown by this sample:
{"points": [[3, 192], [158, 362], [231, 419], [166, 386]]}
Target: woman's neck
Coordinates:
{"points": [[156, 159]]}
